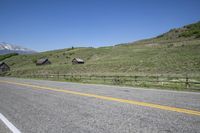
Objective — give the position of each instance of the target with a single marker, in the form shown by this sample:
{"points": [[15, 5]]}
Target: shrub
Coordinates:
{"points": [[34, 60]]}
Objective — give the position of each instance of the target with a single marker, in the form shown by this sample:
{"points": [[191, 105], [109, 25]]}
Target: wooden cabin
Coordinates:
{"points": [[43, 61], [4, 67], [78, 61]]}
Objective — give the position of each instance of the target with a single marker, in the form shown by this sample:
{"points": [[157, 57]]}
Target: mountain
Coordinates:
{"points": [[6, 48]]}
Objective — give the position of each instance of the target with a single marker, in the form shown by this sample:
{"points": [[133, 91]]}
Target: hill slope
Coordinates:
{"points": [[176, 52]]}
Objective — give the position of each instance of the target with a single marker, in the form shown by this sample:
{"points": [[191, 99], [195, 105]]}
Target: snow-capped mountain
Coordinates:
{"points": [[6, 48]]}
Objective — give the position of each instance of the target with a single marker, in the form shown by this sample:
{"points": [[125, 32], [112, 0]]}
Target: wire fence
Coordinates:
{"points": [[184, 82]]}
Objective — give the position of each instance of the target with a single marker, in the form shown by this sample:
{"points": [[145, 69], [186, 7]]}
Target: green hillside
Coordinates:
{"points": [[3, 57], [176, 52]]}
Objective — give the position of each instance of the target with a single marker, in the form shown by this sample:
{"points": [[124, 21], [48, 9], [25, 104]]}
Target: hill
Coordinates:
{"points": [[185, 33], [176, 52], [3, 57]]}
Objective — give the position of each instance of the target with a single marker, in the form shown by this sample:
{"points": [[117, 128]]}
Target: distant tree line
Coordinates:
{"points": [[3, 57]]}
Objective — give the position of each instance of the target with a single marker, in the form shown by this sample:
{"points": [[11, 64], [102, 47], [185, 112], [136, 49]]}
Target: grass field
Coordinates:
{"points": [[172, 54], [178, 58]]}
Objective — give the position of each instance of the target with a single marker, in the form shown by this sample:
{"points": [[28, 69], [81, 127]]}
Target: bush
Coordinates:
{"points": [[198, 35], [191, 30], [191, 33], [34, 60]]}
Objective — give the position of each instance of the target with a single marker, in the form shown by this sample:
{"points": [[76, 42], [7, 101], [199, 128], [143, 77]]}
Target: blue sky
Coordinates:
{"points": [[54, 24]]}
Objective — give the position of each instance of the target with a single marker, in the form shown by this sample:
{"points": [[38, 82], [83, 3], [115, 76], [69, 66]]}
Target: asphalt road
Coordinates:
{"points": [[3, 128], [37, 106]]}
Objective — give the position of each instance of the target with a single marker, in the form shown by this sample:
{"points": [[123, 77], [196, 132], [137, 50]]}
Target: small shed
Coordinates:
{"points": [[78, 61], [43, 61], [4, 67]]}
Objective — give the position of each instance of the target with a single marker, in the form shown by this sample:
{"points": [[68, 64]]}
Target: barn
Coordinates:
{"points": [[78, 61], [43, 61], [4, 67]]}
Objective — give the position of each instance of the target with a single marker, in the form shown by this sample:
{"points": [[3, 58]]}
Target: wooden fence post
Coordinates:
{"points": [[135, 78], [187, 82], [157, 79], [71, 77]]}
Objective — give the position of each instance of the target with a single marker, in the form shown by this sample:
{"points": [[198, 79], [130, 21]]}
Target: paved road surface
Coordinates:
{"points": [[37, 106]]}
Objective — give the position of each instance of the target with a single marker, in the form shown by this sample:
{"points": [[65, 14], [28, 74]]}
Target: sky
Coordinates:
{"points": [[44, 25]]}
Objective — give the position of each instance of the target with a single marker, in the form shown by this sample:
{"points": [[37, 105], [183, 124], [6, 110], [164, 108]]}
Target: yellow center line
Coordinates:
{"points": [[144, 104]]}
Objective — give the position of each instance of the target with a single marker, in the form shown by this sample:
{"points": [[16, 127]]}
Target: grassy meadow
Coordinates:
{"points": [[175, 53], [179, 58]]}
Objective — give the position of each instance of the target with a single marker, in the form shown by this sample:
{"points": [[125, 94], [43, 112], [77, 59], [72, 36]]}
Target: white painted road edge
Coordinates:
{"points": [[9, 124]]}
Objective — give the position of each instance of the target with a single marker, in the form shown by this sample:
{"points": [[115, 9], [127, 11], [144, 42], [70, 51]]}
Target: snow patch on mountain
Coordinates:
{"points": [[10, 48]]}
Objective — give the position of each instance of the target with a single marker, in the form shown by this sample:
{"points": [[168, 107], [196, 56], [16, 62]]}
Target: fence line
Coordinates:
{"points": [[186, 81]]}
